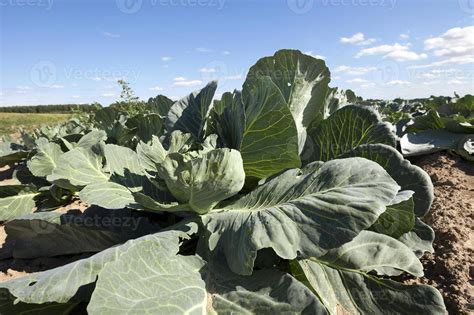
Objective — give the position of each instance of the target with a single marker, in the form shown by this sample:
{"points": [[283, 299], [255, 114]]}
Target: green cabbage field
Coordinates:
{"points": [[285, 197]]}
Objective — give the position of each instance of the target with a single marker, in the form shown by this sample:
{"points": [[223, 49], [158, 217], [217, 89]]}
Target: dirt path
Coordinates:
{"points": [[451, 267]]}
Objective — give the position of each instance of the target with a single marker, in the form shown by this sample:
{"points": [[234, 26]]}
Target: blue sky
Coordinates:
{"points": [[60, 51]]}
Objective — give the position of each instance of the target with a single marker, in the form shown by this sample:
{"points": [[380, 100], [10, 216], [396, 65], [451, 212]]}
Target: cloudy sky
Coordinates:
{"points": [[71, 51]]}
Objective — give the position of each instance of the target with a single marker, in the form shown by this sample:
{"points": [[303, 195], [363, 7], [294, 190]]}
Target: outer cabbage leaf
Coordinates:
{"points": [[355, 292], [109, 195], [430, 141], [371, 251], [80, 167], [266, 291], [301, 214], [346, 129], [399, 217], [11, 153], [48, 234], [419, 239], [191, 113], [230, 123], [408, 176], [303, 81], [16, 200], [159, 104], [270, 138], [45, 159], [151, 278], [149, 256], [146, 126]]}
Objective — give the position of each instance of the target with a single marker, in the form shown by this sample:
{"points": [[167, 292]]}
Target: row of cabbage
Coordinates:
{"points": [[279, 198]]}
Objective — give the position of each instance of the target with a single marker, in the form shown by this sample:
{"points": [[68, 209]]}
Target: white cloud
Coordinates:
{"points": [[156, 88], [405, 55], [108, 94], [396, 52], [203, 50], [454, 47], [207, 70], [357, 80], [354, 70], [75, 96], [187, 83], [458, 41], [179, 79], [110, 35], [56, 86], [74, 85], [226, 52], [459, 60], [398, 82], [166, 58], [97, 79], [357, 39], [24, 88], [404, 36], [455, 82], [314, 55]]}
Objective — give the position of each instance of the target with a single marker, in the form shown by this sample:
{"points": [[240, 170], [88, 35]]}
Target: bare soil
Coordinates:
{"points": [[451, 267]]}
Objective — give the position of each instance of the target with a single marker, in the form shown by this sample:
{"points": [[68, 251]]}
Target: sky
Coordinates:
{"points": [[71, 51]]}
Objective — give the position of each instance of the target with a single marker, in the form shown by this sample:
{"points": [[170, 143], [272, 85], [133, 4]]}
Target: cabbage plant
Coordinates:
{"points": [[282, 197]]}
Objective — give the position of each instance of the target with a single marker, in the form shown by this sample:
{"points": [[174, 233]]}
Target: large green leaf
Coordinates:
{"points": [[91, 139], [303, 81], [301, 214], [336, 99], [146, 126], [430, 141], [204, 180], [346, 129], [190, 114], [109, 195], [354, 292], [408, 176], [16, 200], [399, 218], [419, 239], [152, 255], [151, 278], [159, 104], [230, 123], [50, 234], [46, 158], [11, 153], [80, 167], [371, 251], [270, 139], [266, 291]]}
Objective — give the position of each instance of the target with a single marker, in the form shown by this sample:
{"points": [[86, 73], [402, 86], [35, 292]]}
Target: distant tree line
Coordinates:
{"points": [[64, 108]]}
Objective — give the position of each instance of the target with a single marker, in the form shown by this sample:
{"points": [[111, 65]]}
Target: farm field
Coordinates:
{"points": [[11, 123], [287, 195]]}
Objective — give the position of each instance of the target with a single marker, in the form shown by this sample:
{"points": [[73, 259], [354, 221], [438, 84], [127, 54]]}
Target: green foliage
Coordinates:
{"points": [[280, 198]]}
